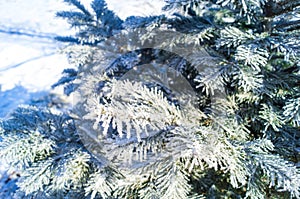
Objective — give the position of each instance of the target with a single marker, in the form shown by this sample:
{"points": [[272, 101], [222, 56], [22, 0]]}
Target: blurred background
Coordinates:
{"points": [[29, 59]]}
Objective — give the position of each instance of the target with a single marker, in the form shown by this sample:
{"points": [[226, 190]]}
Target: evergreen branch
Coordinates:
{"points": [[255, 186], [284, 80], [172, 182], [192, 7], [72, 173], [233, 37], [252, 56], [192, 39], [271, 118], [149, 191], [282, 174], [288, 25], [274, 8], [79, 55], [211, 81], [74, 17], [70, 76], [142, 104], [103, 182], [104, 15], [79, 6], [249, 80], [249, 8], [25, 118], [212, 151], [292, 111], [133, 154], [26, 150], [37, 177]]}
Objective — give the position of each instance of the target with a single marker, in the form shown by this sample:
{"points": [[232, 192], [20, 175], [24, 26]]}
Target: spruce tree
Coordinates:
{"points": [[199, 102]]}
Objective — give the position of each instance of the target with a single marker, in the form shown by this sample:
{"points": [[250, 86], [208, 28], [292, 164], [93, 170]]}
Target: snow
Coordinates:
{"points": [[28, 52], [127, 8]]}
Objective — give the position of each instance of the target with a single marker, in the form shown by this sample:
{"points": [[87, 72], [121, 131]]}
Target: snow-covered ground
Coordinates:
{"points": [[28, 51], [135, 7], [30, 62], [29, 58]]}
